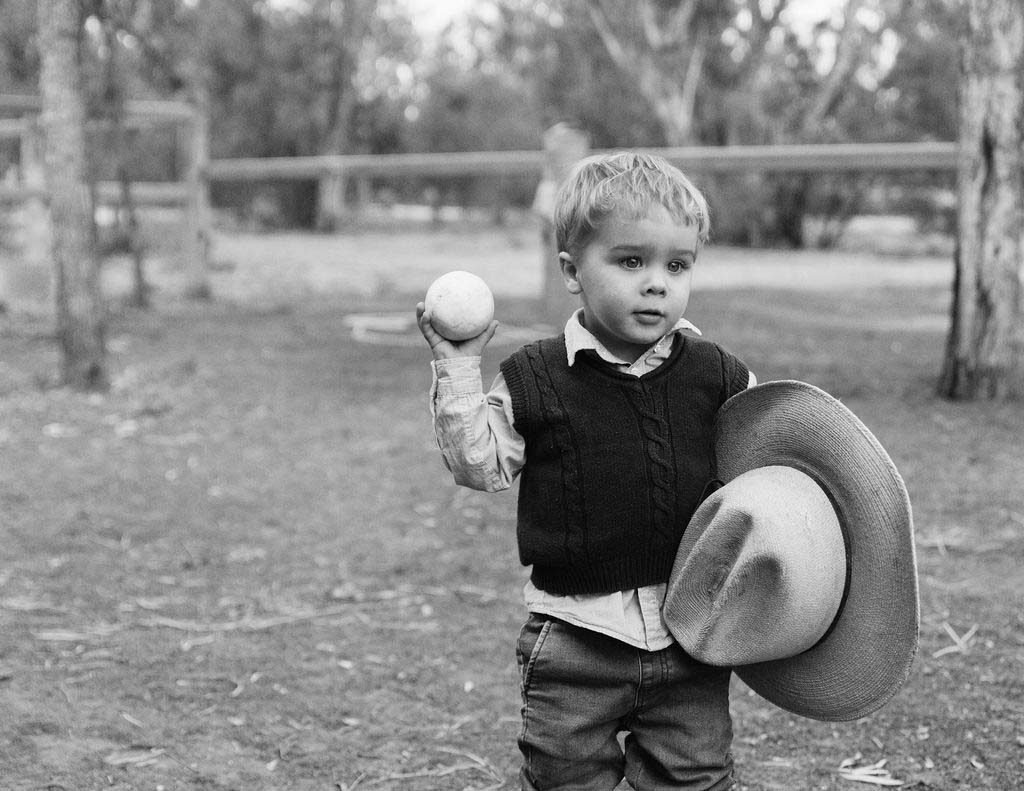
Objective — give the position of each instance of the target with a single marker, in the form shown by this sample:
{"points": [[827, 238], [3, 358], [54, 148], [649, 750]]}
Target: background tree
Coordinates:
{"points": [[661, 46], [295, 79], [917, 98], [553, 51], [111, 152], [79, 303], [19, 53], [309, 77], [985, 346], [725, 73]]}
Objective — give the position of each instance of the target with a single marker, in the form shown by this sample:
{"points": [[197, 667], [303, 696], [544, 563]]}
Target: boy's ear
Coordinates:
{"points": [[570, 273]]}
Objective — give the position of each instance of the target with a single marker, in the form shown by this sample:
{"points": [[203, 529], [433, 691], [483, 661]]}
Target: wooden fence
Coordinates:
{"points": [[718, 159], [333, 173], [190, 193]]}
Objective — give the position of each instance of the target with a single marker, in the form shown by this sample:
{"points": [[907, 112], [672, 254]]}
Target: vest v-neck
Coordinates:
{"points": [[600, 365]]}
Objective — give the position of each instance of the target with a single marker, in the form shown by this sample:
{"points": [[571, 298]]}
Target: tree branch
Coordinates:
{"points": [[674, 32], [847, 55], [612, 43], [690, 84], [670, 92]]}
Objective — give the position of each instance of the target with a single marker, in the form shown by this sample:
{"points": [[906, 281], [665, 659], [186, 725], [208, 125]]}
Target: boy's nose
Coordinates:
{"points": [[655, 284]]}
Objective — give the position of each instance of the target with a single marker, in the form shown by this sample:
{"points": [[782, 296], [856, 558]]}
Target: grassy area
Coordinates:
{"points": [[246, 567]]}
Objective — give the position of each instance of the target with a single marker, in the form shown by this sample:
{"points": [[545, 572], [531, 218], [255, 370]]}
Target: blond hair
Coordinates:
{"points": [[623, 181]]}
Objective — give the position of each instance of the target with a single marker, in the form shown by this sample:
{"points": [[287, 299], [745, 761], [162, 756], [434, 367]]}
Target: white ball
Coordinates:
{"points": [[460, 305]]}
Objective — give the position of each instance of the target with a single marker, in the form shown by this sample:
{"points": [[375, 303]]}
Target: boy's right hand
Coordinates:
{"points": [[444, 349]]}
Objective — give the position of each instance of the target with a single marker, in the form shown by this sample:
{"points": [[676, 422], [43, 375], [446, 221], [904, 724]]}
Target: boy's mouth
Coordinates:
{"points": [[648, 316]]}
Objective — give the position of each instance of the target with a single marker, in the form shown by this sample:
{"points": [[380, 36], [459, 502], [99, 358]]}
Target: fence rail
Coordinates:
{"points": [[137, 111], [817, 157], [461, 163], [148, 193], [806, 158]]}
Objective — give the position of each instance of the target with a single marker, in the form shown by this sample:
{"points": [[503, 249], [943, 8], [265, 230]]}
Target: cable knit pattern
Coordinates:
{"points": [[615, 464], [568, 451], [651, 415]]}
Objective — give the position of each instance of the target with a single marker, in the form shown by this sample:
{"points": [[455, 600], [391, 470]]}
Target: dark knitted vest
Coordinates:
{"points": [[615, 464]]}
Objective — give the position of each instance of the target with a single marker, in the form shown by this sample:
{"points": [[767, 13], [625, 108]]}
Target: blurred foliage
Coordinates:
{"points": [[302, 77]]}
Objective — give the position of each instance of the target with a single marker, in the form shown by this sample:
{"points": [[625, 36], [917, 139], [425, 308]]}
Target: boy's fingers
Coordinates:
{"points": [[476, 344], [426, 328], [489, 332], [435, 340]]}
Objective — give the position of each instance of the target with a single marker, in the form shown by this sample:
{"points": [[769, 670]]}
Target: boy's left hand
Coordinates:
{"points": [[444, 349]]}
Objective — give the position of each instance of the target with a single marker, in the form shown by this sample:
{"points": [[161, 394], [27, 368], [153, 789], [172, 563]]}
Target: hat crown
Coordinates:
{"points": [[763, 572]]}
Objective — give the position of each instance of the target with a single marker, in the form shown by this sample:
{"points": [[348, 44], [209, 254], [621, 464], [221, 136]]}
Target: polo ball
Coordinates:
{"points": [[460, 304]]}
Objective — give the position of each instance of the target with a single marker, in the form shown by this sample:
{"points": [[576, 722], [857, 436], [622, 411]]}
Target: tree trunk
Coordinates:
{"points": [[73, 243], [985, 346]]}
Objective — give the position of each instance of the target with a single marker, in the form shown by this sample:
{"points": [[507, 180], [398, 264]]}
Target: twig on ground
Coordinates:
{"points": [[875, 774], [483, 763], [476, 764], [350, 786], [245, 624], [77, 635], [961, 644], [442, 771], [142, 755]]}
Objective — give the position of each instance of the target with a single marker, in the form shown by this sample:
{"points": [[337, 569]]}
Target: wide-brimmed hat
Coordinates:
{"points": [[800, 571]]}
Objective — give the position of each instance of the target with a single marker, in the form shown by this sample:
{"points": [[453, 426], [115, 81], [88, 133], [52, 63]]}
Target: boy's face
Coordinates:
{"points": [[634, 279]]}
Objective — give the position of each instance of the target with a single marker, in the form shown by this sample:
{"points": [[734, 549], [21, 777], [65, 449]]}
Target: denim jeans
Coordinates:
{"points": [[581, 689]]}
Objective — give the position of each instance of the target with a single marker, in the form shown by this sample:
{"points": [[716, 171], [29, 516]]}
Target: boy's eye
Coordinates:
{"points": [[631, 262], [679, 266]]}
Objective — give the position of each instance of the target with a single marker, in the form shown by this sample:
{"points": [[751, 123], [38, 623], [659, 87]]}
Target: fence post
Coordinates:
{"points": [[364, 194], [197, 209], [564, 145], [331, 200], [31, 280]]}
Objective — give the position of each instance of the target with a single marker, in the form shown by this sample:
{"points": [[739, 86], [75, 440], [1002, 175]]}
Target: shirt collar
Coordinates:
{"points": [[578, 338]]}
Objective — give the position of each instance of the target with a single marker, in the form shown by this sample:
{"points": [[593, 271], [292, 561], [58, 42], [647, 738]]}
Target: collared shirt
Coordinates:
{"points": [[483, 451]]}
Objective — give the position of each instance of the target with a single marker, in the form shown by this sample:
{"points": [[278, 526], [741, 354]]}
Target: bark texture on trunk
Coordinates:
{"points": [[73, 244], [985, 347]]}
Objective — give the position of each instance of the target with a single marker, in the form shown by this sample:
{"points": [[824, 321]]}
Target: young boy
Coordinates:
{"points": [[608, 427]]}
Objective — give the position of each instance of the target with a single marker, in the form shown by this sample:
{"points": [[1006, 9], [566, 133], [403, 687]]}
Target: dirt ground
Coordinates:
{"points": [[245, 567]]}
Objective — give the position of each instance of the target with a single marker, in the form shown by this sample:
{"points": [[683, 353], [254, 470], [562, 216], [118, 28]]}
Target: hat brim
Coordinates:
{"points": [[866, 656]]}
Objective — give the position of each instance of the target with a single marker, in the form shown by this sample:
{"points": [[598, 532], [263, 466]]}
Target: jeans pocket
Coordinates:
{"points": [[531, 640]]}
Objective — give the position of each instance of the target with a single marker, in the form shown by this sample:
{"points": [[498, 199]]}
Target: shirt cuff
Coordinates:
{"points": [[457, 376]]}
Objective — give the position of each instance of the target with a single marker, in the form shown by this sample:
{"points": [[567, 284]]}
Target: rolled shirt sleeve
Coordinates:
{"points": [[474, 430]]}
